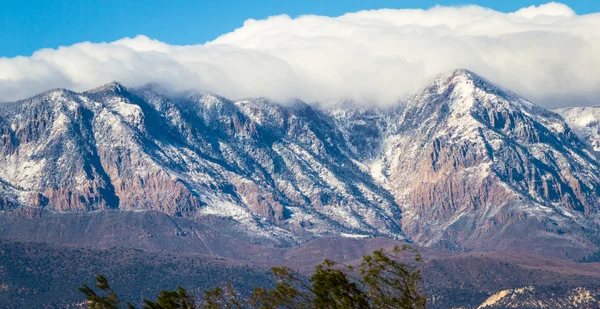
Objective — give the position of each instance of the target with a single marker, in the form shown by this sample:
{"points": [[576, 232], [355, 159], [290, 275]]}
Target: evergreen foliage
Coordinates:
{"points": [[381, 281]]}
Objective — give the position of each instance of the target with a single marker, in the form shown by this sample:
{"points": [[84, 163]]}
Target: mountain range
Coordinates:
{"points": [[156, 188], [461, 164]]}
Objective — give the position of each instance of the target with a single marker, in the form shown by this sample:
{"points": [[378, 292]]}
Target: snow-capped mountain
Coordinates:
{"points": [[460, 164], [280, 171], [585, 121], [474, 166]]}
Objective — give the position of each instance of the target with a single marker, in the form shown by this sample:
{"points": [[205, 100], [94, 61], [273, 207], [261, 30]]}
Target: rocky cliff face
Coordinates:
{"points": [[475, 166], [461, 164], [280, 171]]}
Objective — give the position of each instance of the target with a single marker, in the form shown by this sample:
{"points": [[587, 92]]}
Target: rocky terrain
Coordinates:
{"points": [[532, 297], [461, 164], [476, 167], [282, 172], [585, 121]]}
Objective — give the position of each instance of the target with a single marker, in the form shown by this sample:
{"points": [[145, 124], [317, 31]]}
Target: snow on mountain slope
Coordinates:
{"points": [[461, 164], [276, 170], [476, 167], [585, 121], [363, 127]]}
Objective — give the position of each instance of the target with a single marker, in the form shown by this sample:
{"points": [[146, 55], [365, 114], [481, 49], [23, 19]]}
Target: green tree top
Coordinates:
{"points": [[381, 281]]}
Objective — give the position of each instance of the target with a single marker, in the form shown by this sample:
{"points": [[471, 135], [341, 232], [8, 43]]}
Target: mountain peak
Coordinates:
{"points": [[113, 86], [462, 72], [457, 83], [466, 83], [458, 76]]}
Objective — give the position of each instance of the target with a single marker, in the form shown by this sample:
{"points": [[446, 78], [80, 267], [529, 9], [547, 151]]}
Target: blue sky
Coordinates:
{"points": [[29, 25]]}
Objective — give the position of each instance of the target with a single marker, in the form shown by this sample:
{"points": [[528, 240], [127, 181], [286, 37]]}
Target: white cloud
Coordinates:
{"points": [[547, 53]]}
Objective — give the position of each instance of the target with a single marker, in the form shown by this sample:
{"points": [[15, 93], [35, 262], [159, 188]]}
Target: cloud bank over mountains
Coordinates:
{"points": [[547, 53]]}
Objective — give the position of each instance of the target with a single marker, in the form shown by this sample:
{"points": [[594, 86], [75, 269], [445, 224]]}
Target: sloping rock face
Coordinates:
{"points": [[461, 164], [470, 162], [281, 171], [474, 166]]}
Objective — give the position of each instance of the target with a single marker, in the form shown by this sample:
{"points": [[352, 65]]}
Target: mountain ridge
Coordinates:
{"points": [[462, 164]]}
